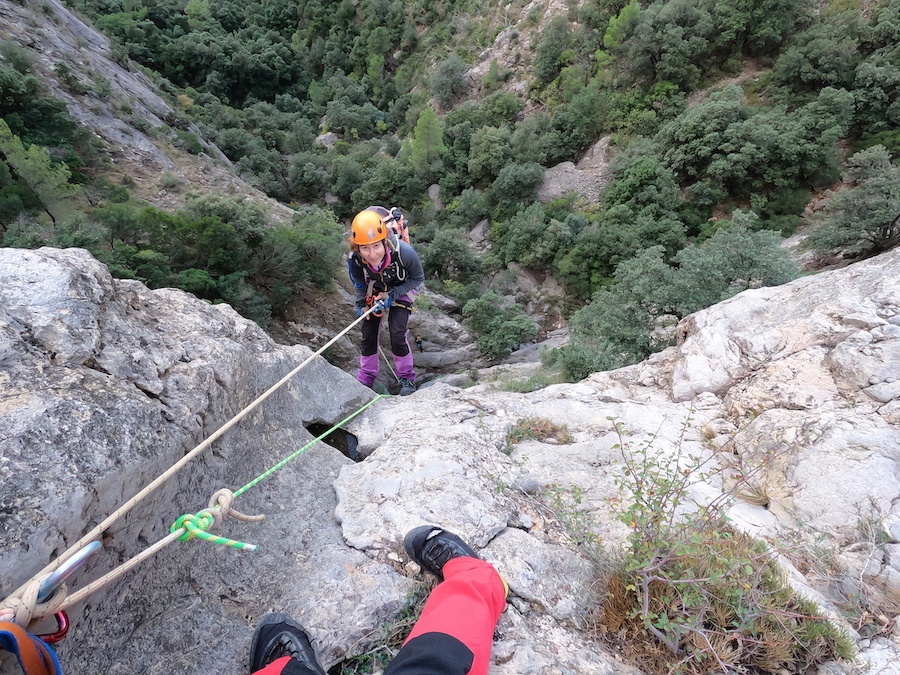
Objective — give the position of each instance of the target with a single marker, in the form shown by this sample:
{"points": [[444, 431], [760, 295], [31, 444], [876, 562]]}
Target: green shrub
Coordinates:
{"points": [[500, 329], [448, 257], [308, 250], [514, 186], [448, 80], [693, 594], [548, 57], [864, 217]]}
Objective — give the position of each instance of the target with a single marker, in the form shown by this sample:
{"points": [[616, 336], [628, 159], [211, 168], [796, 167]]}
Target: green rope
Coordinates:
{"points": [[196, 525], [259, 479]]}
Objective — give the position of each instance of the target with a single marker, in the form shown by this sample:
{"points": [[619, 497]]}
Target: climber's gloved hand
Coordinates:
{"points": [[360, 310], [383, 304]]}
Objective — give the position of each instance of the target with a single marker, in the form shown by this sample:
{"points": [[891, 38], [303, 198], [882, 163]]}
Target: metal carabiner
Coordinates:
{"points": [[62, 629]]}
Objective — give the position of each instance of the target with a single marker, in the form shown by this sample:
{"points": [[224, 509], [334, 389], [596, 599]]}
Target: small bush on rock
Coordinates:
{"points": [[694, 595], [538, 429]]}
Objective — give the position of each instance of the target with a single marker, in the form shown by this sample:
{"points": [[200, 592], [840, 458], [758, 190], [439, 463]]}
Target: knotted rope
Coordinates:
{"points": [[21, 606], [196, 525]]}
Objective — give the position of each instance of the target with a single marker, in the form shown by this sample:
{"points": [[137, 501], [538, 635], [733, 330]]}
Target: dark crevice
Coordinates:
{"points": [[342, 441]]}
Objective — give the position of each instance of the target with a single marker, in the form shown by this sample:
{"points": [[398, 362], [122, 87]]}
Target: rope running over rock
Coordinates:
{"points": [[21, 605]]}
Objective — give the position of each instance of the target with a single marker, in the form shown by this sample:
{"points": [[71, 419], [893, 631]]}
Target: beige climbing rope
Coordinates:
{"points": [[21, 605]]}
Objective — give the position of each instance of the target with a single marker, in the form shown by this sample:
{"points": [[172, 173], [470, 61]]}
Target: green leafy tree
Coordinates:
{"points": [[621, 25], [501, 328], [15, 198], [308, 176], [489, 153], [513, 238], [467, 209], [263, 170], [249, 218], [554, 241], [515, 185], [737, 257], [726, 142], [670, 42], [144, 264], [617, 327], [448, 81], [500, 108], [577, 124], [347, 175], [863, 217], [237, 143], [428, 146], [198, 282], [390, 181], [356, 121], [245, 298], [824, 55], [625, 322], [752, 28], [533, 139], [876, 94], [209, 244], [876, 89], [47, 180], [643, 204], [458, 140], [307, 250], [548, 57], [448, 257]]}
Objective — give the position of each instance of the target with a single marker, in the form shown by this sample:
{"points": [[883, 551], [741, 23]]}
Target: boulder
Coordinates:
{"points": [[104, 385], [587, 179]]}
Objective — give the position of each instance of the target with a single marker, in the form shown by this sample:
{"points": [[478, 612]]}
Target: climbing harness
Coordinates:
{"points": [[23, 605], [35, 657]]}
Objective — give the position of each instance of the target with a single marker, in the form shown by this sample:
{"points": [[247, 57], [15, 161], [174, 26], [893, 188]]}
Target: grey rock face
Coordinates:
{"points": [[588, 178], [104, 384]]}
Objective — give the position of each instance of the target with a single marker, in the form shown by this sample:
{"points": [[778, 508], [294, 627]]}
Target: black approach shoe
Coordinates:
{"points": [[279, 635], [407, 387], [432, 547]]}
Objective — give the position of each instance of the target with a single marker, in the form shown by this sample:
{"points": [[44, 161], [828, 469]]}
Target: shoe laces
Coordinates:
{"points": [[287, 646], [439, 551]]}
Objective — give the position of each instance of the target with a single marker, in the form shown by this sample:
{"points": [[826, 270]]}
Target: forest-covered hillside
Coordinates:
{"points": [[332, 106]]}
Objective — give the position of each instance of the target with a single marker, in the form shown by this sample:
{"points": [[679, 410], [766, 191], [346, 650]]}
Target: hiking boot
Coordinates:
{"points": [[432, 547], [278, 635], [407, 387]]}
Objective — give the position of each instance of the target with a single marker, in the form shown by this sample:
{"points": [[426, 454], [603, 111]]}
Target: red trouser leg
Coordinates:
{"points": [[275, 667], [285, 666], [454, 634]]}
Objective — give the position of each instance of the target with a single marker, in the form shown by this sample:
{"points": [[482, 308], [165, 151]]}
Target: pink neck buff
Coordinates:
{"points": [[384, 262]]}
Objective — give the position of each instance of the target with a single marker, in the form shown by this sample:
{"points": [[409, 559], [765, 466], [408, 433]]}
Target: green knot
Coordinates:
{"points": [[196, 525]]}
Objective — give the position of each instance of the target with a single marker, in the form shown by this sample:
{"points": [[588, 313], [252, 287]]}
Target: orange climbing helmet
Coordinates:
{"points": [[367, 228]]}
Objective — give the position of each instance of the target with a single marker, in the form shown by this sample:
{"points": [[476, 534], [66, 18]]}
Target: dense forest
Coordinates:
{"points": [[707, 180]]}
